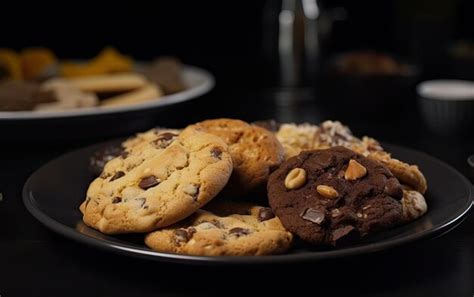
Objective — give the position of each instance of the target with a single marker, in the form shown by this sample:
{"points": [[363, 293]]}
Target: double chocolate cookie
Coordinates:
{"points": [[334, 196]]}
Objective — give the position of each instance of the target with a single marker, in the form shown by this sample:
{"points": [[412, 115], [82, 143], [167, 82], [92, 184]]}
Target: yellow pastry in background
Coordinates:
{"points": [[10, 64], [35, 60], [146, 93], [109, 60]]}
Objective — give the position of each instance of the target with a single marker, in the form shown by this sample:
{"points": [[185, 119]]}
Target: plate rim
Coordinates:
{"points": [[143, 252], [186, 95]]}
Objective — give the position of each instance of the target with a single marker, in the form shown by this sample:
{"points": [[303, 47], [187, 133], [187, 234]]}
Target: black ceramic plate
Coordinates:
{"points": [[54, 192]]}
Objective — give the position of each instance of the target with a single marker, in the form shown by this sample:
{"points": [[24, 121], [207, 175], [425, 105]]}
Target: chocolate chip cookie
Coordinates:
{"points": [[107, 153], [334, 196], [158, 183], [228, 230], [255, 152]]}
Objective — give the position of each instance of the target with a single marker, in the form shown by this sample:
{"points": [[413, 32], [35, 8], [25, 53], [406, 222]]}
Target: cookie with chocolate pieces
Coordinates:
{"points": [[228, 229], [341, 197]]}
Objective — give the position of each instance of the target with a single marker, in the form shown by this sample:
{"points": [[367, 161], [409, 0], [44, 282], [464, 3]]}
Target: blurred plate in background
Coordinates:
{"points": [[102, 121]]}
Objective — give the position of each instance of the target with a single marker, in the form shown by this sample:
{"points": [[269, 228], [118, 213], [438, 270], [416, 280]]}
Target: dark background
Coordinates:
{"points": [[229, 37], [235, 41]]}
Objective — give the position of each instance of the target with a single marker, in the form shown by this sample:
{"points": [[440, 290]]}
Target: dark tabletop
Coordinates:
{"points": [[36, 262]]}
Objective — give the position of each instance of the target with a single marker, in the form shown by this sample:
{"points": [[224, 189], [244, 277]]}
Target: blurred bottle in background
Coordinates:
{"points": [[295, 32], [294, 35]]}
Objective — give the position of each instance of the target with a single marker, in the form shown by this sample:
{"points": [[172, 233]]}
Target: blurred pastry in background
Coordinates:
{"points": [[109, 60], [118, 88], [61, 94], [10, 64], [110, 83], [146, 93], [36, 61], [18, 95], [167, 73], [369, 63]]}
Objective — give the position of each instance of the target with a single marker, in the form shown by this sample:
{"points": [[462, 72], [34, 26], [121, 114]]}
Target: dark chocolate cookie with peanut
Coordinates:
{"points": [[334, 196], [161, 180]]}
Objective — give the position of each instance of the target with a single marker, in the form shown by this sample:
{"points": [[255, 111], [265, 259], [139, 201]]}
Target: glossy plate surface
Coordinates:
{"points": [[55, 191]]}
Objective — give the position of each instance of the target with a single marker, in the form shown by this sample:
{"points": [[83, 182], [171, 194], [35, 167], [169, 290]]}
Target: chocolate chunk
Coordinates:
{"points": [[191, 231], [100, 157], [164, 140], [239, 231], [116, 200], [166, 136], [348, 217], [344, 235], [265, 213], [124, 154], [313, 215], [88, 199], [393, 188], [325, 160], [117, 175], [182, 235], [218, 224], [148, 182], [216, 152]]}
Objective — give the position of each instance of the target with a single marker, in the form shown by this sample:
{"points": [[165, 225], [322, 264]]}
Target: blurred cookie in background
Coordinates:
{"points": [[10, 64], [109, 60], [36, 61], [167, 73]]}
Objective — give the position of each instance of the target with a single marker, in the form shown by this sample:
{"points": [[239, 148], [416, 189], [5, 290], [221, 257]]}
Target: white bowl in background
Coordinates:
{"points": [[447, 105]]}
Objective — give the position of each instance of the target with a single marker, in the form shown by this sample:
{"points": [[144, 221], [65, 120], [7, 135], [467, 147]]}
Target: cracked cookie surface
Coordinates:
{"points": [[160, 181], [334, 196], [225, 230], [255, 152]]}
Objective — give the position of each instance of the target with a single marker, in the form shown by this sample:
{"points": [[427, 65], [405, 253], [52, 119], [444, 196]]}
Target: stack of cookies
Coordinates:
{"points": [[316, 183]]}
